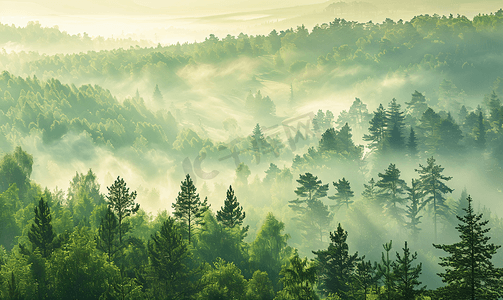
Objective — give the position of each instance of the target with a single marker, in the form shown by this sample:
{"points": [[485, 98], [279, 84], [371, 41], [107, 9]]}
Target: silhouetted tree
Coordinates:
{"points": [[188, 207], [406, 276], [344, 193]]}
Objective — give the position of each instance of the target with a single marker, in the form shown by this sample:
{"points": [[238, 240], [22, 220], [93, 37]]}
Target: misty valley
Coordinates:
{"points": [[349, 160]]}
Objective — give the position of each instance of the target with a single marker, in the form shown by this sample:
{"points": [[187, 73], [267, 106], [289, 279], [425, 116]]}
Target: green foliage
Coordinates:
{"points": [[433, 188], [41, 234], [169, 260], [215, 240], [344, 193], [391, 192], [336, 266], [231, 214], [406, 276], [270, 250], [469, 272], [121, 202], [224, 281], [9, 202], [108, 234], [259, 287], [298, 278], [78, 270], [188, 207]]}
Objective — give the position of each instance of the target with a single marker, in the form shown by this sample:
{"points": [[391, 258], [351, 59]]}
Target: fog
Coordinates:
{"points": [[150, 91]]}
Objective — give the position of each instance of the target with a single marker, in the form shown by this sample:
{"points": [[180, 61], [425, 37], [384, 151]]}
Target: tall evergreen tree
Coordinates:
{"points": [[434, 188], [258, 143], [480, 132], [108, 234], [365, 277], [41, 234], [313, 215], [377, 129], [370, 190], [406, 276], [157, 96], [336, 265], [412, 144], [344, 193], [231, 214], [469, 272], [188, 206], [385, 271], [121, 202], [391, 192], [395, 126], [415, 196], [169, 258]]}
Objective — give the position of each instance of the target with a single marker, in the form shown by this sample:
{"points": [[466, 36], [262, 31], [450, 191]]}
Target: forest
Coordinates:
{"points": [[347, 161]]}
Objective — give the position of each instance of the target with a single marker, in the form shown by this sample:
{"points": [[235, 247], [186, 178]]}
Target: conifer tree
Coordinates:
{"points": [[480, 132], [336, 265], [415, 196], [395, 126], [231, 214], [406, 276], [121, 202], [41, 234], [417, 105], [370, 190], [469, 272], [188, 206], [258, 143], [157, 96], [412, 144], [434, 188], [108, 234], [313, 215], [377, 129], [391, 192], [344, 193], [169, 257], [365, 276], [385, 271]]}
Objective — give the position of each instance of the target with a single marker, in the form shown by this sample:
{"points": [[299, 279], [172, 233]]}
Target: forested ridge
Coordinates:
{"points": [[385, 198]]}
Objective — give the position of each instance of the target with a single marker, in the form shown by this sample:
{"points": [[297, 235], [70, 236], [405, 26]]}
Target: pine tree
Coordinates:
{"points": [[258, 143], [157, 96], [391, 192], [377, 129], [406, 277], [370, 191], [481, 132], [231, 214], [469, 272], [417, 105], [169, 257], [395, 126], [41, 234], [412, 144], [385, 270], [121, 202], [433, 188], [188, 206], [365, 276], [313, 215], [415, 196], [344, 193], [328, 141], [108, 234], [336, 265]]}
